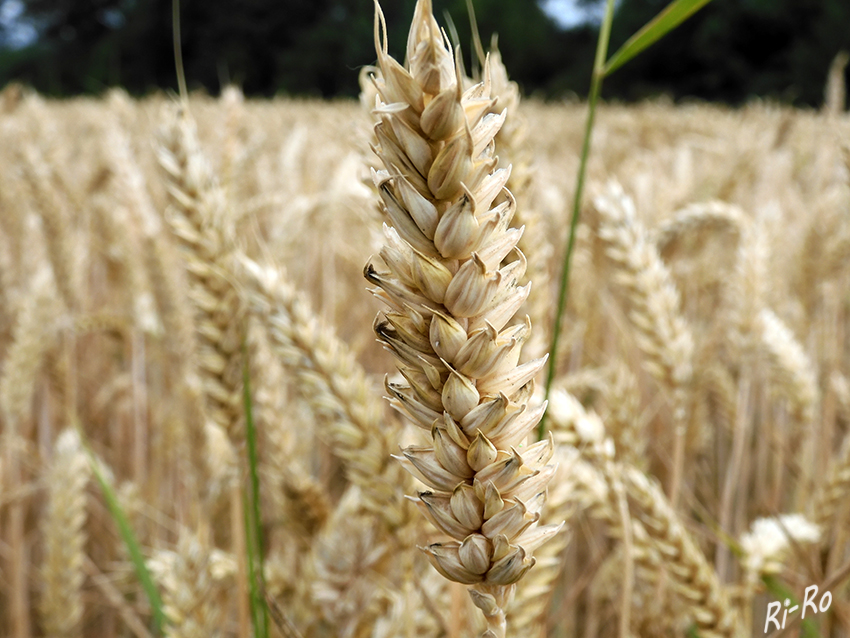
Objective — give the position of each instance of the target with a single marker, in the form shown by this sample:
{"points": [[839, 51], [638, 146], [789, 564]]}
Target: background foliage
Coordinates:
{"points": [[730, 51]]}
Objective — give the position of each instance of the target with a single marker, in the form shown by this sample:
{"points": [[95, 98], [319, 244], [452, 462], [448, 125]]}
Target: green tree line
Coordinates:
{"points": [[733, 50]]}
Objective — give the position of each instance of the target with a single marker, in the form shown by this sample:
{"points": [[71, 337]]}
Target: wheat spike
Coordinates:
{"points": [[36, 328], [448, 214], [199, 219], [350, 559], [336, 387], [708, 217], [56, 225], [791, 370], [61, 605], [661, 331], [196, 581], [691, 576]]}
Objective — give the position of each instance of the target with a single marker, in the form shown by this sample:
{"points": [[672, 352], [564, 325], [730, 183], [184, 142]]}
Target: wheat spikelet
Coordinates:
{"points": [[449, 303], [61, 605]]}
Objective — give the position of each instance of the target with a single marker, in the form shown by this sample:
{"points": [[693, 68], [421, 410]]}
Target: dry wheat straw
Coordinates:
{"points": [[835, 102], [61, 605], [831, 495], [841, 387]]}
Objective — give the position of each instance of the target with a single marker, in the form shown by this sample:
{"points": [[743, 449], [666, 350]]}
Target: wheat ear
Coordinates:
{"points": [[61, 607], [336, 386], [707, 217], [196, 581], [691, 577], [791, 371], [833, 492], [56, 224], [199, 219], [448, 215], [662, 333]]}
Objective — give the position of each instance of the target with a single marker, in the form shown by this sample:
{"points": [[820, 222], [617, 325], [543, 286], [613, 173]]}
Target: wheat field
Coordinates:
{"points": [[156, 255]]}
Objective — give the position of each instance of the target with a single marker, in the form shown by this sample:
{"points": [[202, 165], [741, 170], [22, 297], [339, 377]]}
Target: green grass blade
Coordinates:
{"points": [[780, 592], [671, 17], [133, 547], [564, 284], [253, 527]]}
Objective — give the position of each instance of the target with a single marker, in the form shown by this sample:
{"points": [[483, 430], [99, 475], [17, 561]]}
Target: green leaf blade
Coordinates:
{"points": [[142, 572], [671, 17]]}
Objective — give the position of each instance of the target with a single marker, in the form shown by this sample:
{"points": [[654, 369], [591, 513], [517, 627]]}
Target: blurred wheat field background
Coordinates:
{"points": [[710, 291]]}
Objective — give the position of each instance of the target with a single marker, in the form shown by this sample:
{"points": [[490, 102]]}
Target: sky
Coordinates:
{"points": [[19, 33], [568, 14]]}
